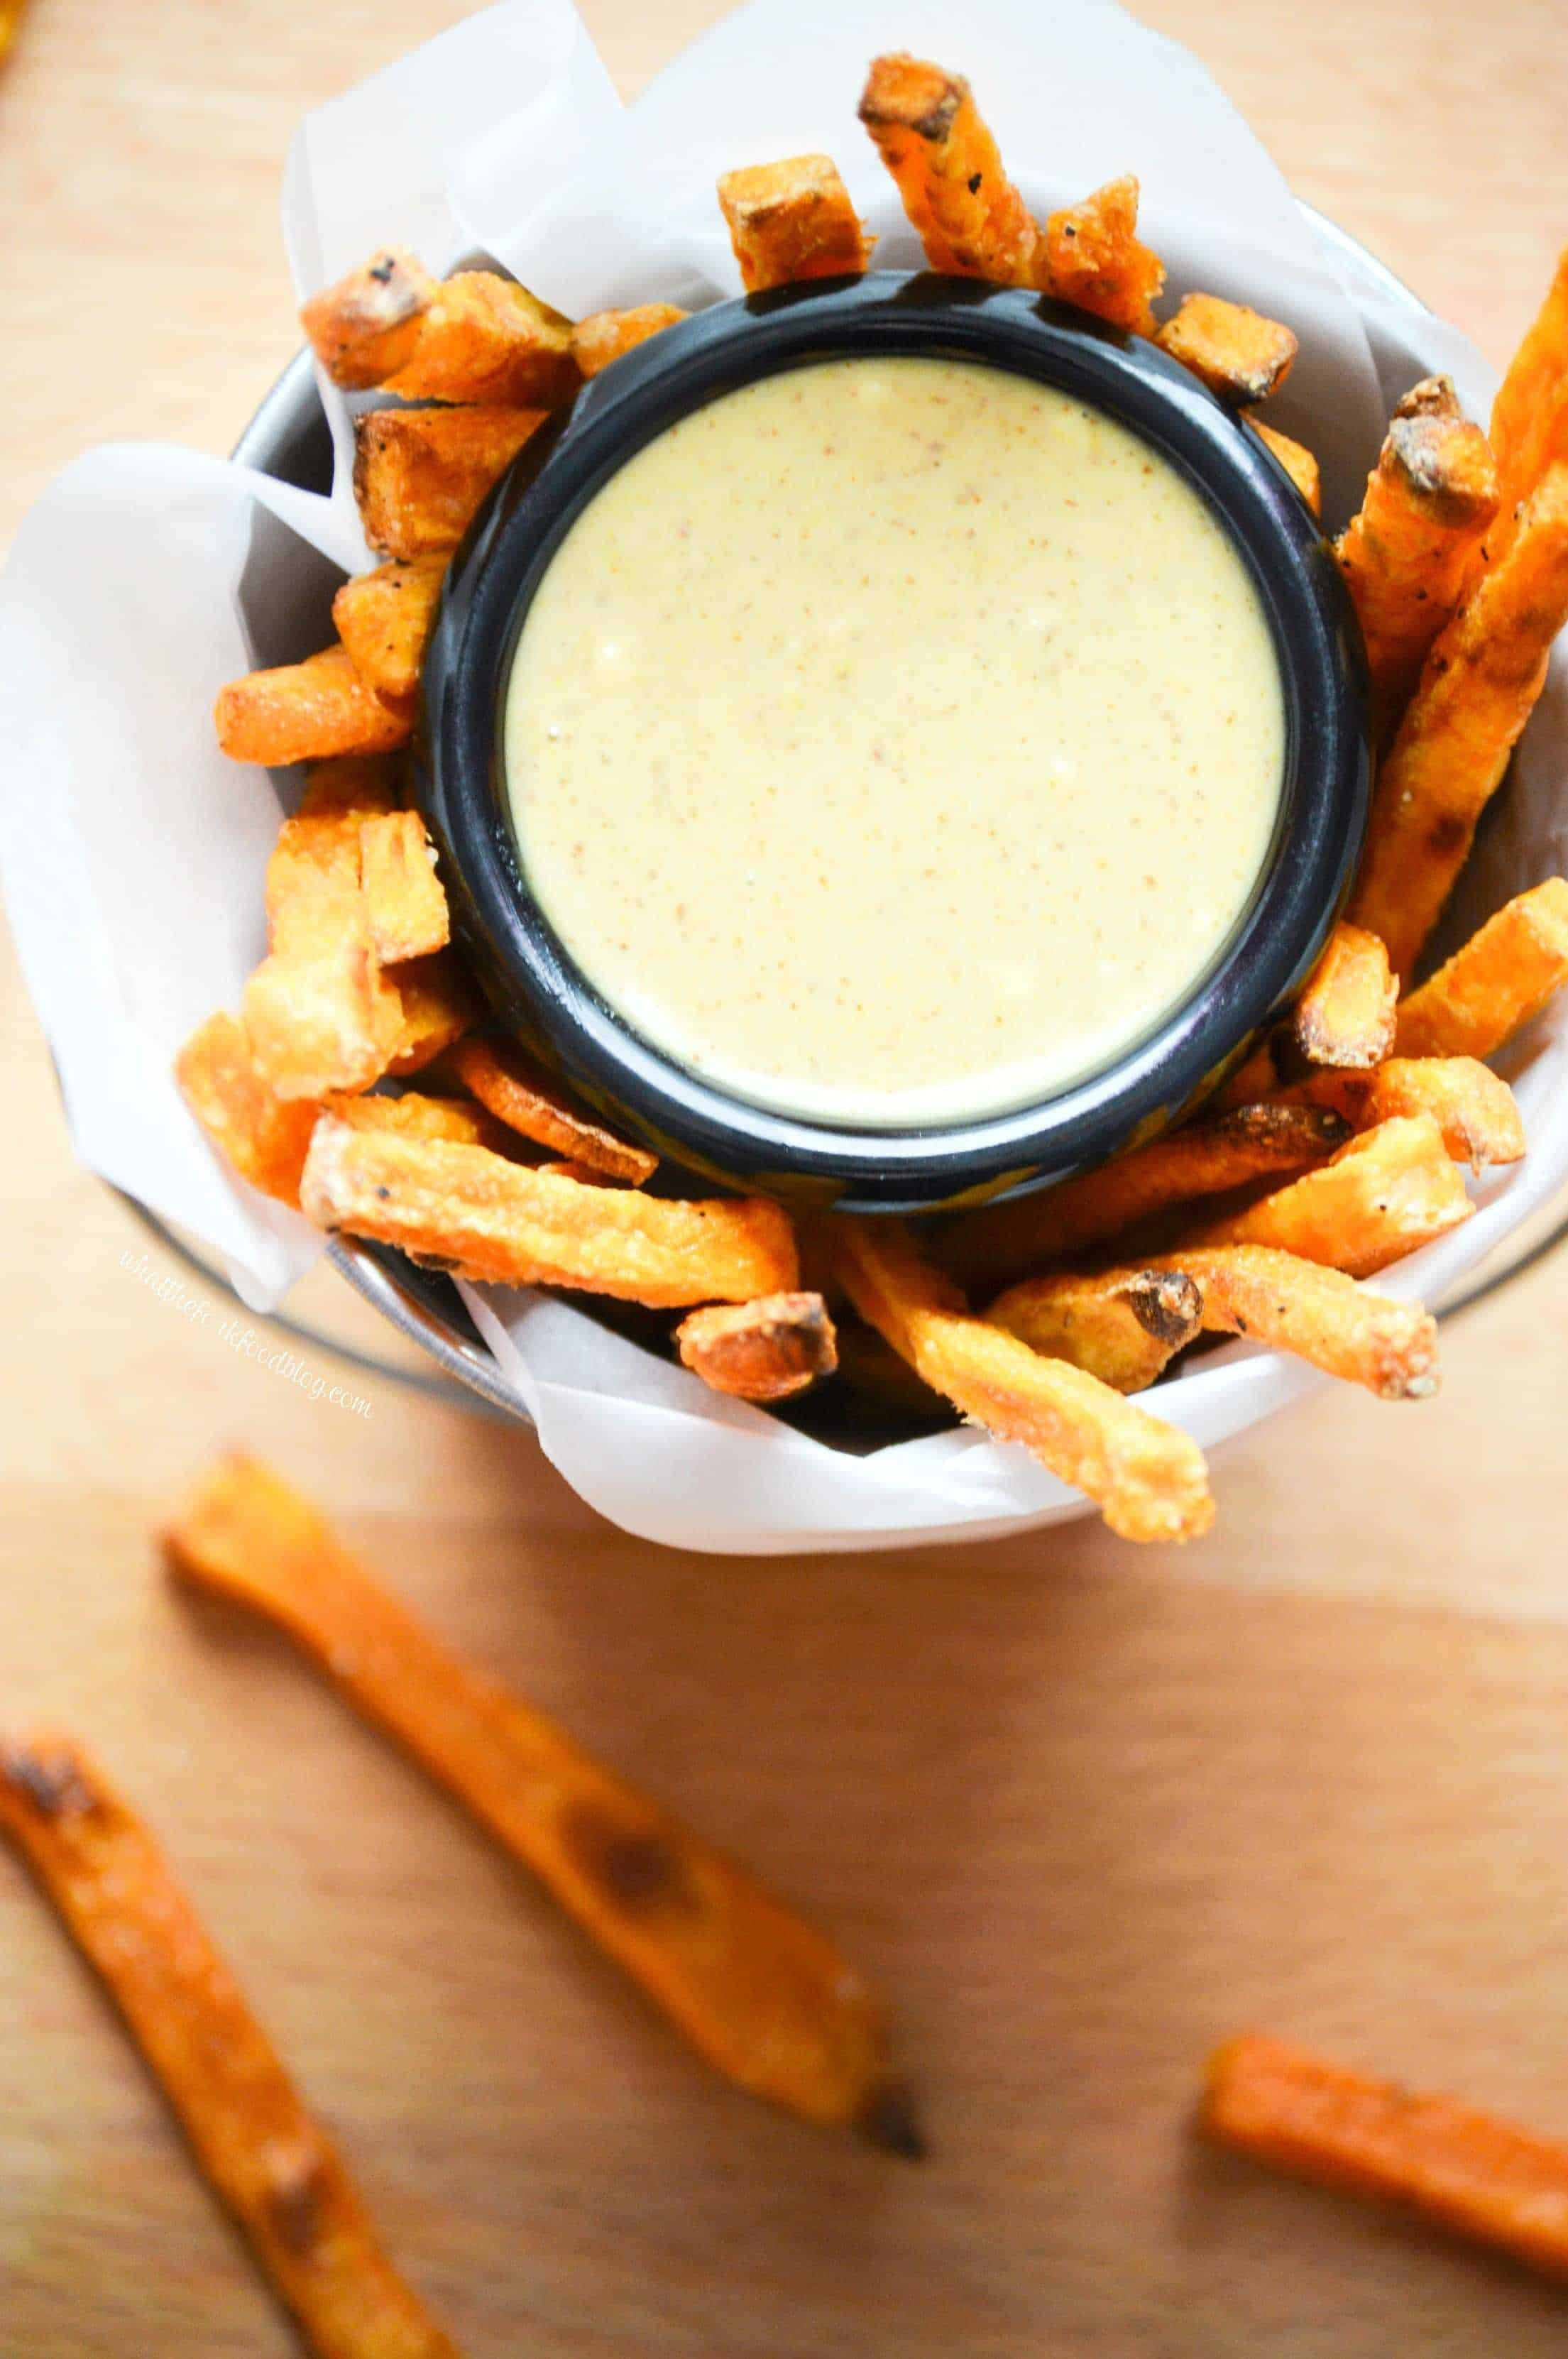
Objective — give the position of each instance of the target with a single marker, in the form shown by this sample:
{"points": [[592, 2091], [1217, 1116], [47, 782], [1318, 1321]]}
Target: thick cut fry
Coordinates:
{"points": [[1148, 1479], [1389, 1192], [763, 1350], [1091, 257], [763, 1996], [263, 1136], [502, 1078], [930, 133], [1121, 1326], [1503, 976], [436, 1011], [265, 2158], [1466, 2170], [463, 1210], [791, 221], [413, 1115], [1237, 352], [1405, 553], [484, 338], [368, 324], [1473, 1108], [1299, 462], [1345, 1015], [306, 711], [384, 619], [420, 474], [603, 336], [1317, 1314], [1479, 687], [1255, 1142], [408, 909], [1529, 415]]}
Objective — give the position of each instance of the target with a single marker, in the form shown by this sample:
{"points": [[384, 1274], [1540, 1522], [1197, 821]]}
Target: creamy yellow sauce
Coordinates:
{"points": [[895, 741]]}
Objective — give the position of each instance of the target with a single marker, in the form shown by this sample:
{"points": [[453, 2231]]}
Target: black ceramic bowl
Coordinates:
{"points": [[540, 994]]}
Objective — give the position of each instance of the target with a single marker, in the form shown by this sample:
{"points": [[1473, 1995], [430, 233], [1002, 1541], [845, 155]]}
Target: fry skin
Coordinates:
{"points": [[764, 1351], [483, 338], [420, 474], [368, 324], [1389, 1192], [1529, 415], [792, 220], [278, 2174], [1479, 687], [306, 711], [1473, 1107], [1121, 1326], [931, 136], [263, 1136], [1299, 462], [603, 336], [1240, 354], [502, 1078], [460, 1209], [1345, 1015], [1091, 258], [1469, 2171], [1317, 1314], [384, 619], [766, 1999], [1503, 975], [407, 907], [1148, 1479]]}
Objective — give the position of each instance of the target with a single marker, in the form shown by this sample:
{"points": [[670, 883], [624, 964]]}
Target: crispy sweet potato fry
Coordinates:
{"points": [[1345, 1015], [1502, 976], [764, 1997], [367, 325], [763, 1350], [503, 1078], [414, 1115], [1299, 462], [278, 2174], [1237, 352], [1479, 687], [460, 1209], [791, 221], [1529, 415], [1406, 552], [409, 916], [263, 1136], [1386, 1192], [1473, 1107], [930, 133], [306, 712], [419, 474], [1090, 256], [1466, 2170], [436, 1011], [1316, 1313], [384, 619], [1119, 1325], [1147, 1478], [603, 336], [485, 338]]}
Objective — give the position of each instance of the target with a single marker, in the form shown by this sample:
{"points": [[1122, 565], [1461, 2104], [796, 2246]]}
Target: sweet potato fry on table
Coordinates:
{"points": [[1386, 1192], [306, 712], [765, 1997], [930, 133], [1299, 462], [1317, 1314], [1529, 415], [280, 2175], [1479, 687], [764, 1351], [791, 220], [366, 327], [419, 474], [1406, 552], [1469, 2171], [436, 1010], [503, 1078], [1122, 1326], [409, 916], [384, 620], [1147, 1478], [603, 336], [263, 1136], [1090, 256], [1473, 1108], [1345, 1015], [1237, 352], [1502, 976], [483, 338]]}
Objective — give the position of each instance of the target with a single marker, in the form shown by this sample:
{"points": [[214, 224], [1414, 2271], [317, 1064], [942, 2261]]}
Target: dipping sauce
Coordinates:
{"points": [[895, 742]]}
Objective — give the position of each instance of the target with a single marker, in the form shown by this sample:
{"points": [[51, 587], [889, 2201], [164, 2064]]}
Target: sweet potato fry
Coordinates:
{"points": [[420, 474], [263, 1136], [1119, 1325], [1386, 1192], [277, 2171], [603, 336], [1406, 552], [1299, 462], [931, 136], [484, 338], [1470, 2171], [408, 909], [1318, 1314], [306, 712], [384, 619], [503, 1078], [1529, 415], [1345, 1015], [1479, 687], [1148, 1479], [791, 221], [869, 1365], [764, 1997], [1473, 1108], [987, 1248], [1502, 976], [367, 325], [463, 1210], [1237, 352], [436, 1011], [763, 1350], [414, 1115], [1090, 256]]}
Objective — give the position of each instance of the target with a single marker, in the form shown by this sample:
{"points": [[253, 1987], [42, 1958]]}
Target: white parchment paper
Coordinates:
{"points": [[133, 852]]}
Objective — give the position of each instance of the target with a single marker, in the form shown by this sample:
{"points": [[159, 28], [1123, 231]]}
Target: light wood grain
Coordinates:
{"points": [[1081, 1811]]}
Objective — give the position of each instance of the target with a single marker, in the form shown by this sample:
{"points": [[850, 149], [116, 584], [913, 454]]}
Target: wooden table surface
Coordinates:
{"points": [[1081, 1811]]}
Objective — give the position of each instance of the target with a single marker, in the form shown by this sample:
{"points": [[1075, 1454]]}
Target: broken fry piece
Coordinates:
{"points": [[765, 1997], [503, 1078], [931, 136], [1469, 2171], [1529, 415], [306, 712], [1386, 1192], [1317, 1314], [1299, 462], [1091, 258], [483, 338], [419, 474], [606, 335], [763, 1350], [1503, 975], [277, 2171], [263, 1136], [368, 324], [1240, 354], [1473, 1108], [1119, 1325], [1345, 1015], [403, 895], [791, 220], [384, 620]]}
